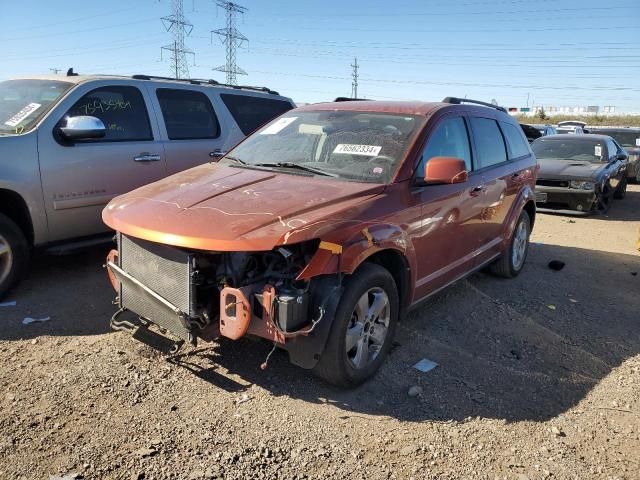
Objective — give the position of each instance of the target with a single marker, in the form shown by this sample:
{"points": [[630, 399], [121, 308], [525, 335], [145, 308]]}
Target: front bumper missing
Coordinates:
{"points": [[171, 318], [564, 200]]}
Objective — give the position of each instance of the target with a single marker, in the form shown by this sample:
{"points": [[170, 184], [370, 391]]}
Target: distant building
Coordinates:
{"points": [[565, 110]]}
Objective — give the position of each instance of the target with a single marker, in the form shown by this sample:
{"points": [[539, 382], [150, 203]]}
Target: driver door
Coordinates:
{"points": [[79, 178]]}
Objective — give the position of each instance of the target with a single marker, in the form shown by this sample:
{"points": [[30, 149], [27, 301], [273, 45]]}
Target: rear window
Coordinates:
{"points": [[250, 113], [187, 114], [518, 146], [489, 142]]}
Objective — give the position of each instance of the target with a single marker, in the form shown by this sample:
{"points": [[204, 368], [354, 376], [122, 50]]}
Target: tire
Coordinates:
{"points": [[14, 255], [338, 363], [603, 200], [621, 191], [509, 265]]}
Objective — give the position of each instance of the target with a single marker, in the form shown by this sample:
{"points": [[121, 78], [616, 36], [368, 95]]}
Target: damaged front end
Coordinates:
{"points": [[192, 294]]}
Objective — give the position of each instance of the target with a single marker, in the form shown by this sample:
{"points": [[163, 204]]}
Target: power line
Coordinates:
{"points": [[232, 39], [180, 28]]}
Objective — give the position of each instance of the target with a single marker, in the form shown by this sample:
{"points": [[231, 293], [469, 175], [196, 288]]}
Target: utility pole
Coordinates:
{"points": [[232, 39], [55, 70], [180, 28], [354, 76]]}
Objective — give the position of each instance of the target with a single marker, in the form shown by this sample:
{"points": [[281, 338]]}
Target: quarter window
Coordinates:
{"points": [[490, 149], [251, 112], [188, 115], [518, 146], [450, 139], [121, 109]]}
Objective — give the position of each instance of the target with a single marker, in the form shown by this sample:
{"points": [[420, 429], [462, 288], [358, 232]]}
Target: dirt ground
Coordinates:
{"points": [[538, 377]]}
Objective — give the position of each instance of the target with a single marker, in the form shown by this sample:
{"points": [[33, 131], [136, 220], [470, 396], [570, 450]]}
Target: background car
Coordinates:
{"points": [[68, 145], [579, 173], [535, 131], [629, 138]]}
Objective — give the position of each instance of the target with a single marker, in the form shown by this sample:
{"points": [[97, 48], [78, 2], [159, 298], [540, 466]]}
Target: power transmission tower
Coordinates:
{"points": [[232, 39], [180, 28], [354, 76]]}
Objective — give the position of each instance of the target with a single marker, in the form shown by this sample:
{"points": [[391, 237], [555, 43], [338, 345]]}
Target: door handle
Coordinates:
{"points": [[217, 153], [475, 191], [146, 157]]}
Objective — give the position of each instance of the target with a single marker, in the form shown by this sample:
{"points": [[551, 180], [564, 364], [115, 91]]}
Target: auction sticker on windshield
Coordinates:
{"points": [[598, 151], [368, 150], [278, 126], [22, 114], [637, 142]]}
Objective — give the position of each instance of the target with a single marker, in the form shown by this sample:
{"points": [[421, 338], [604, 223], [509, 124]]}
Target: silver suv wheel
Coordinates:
{"points": [[6, 259], [368, 328], [519, 249]]}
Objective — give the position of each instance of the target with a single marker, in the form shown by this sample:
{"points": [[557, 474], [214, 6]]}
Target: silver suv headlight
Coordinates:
{"points": [[581, 185]]}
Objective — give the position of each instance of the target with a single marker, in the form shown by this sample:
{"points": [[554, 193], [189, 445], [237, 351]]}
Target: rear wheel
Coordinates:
{"points": [[621, 191], [363, 328], [14, 254], [512, 260]]}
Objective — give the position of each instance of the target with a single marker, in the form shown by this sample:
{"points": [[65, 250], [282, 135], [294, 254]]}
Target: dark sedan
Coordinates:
{"points": [[579, 173], [629, 138]]}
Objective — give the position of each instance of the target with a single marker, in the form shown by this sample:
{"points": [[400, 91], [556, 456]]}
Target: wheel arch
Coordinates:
{"points": [[14, 206], [398, 266]]}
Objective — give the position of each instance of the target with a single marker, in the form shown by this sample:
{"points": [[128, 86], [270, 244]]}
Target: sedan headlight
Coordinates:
{"points": [[581, 185]]}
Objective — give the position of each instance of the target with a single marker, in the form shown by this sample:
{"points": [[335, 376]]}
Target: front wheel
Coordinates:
{"points": [[363, 328], [14, 254], [603, 200], [510, 263], [621, 191]]}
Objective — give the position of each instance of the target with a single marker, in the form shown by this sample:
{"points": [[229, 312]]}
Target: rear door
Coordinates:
{"points": [[501, 181], [80, 178], [451, 214], [191, 129]]}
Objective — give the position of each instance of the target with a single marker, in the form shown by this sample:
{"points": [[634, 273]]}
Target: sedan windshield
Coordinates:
{"points": [[578, 148], [23, 102], [359, 146], [625, 138]]}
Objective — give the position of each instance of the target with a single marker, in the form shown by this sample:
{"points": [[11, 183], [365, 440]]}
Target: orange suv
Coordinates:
{"points": [[321, 229]]}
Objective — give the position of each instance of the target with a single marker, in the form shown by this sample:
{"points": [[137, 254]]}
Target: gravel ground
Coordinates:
{"points": [[538, 377]]}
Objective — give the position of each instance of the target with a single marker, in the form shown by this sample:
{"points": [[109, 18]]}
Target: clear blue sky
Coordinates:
{"points": [[561, 52]]}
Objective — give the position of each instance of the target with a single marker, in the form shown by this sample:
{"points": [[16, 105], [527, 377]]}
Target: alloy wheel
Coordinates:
{"points": [[368, 328], [519, 248], [6, 259]]}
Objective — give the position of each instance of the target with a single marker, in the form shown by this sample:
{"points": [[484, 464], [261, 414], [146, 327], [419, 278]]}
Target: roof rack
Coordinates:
{"points": [[458, 101], [201, 81], [349, 99]]}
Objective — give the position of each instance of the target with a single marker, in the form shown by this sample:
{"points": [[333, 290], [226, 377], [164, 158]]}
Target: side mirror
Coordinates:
{"points": [[622, 156], [83, 128], [445, 170]]}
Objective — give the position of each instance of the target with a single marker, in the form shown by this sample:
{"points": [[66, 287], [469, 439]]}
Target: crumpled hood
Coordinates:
{"points": [[220, 208], [568, 169]]}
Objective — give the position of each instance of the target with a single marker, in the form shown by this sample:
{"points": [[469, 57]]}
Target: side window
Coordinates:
{"points": [[188, 114], [489, 143], [612, 147], [450, 139], [518, 146], [121, 109], [252, 112]]}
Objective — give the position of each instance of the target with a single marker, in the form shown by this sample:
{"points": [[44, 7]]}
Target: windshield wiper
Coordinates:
{"points": [[234, 159], [298, 166]]}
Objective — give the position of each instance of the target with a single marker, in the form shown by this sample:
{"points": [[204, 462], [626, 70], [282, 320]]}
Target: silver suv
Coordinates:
{"points": [[68, 145]]}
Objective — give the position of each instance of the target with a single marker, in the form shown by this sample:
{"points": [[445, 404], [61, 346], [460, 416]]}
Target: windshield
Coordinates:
{"points": [[23, 102], [577, 148], [365, 147], [626, 139]]}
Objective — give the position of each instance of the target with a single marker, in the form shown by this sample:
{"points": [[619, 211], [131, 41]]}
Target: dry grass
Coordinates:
{"points": [[615, 120]]}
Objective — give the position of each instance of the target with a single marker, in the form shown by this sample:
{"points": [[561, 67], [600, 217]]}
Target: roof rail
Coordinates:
{"points": [[348, 99], [200, 81], [458, 101]]}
